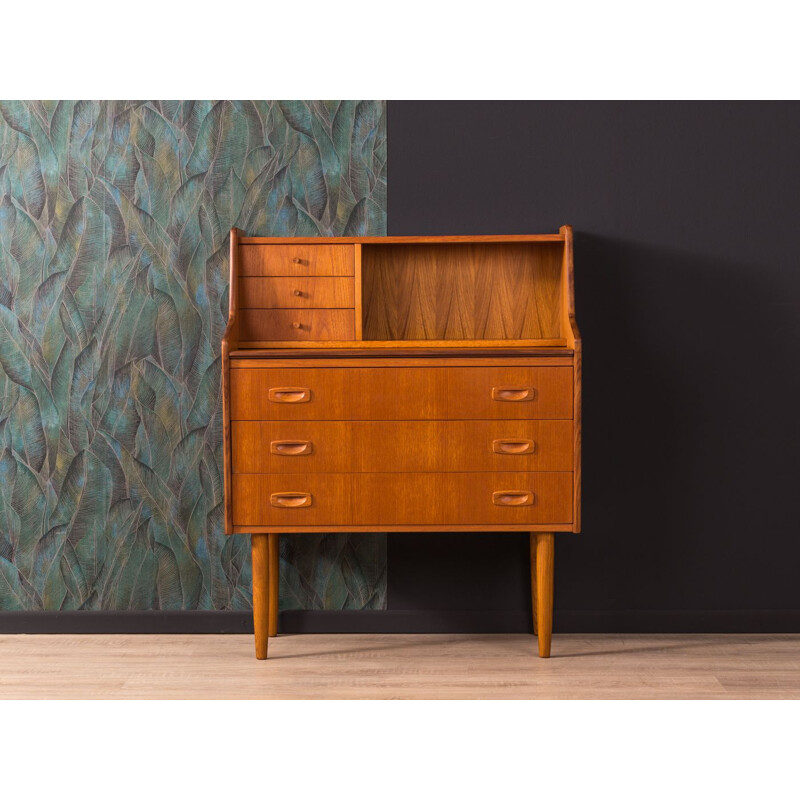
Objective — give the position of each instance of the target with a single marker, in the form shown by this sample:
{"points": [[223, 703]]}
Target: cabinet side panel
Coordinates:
{"points": [[573, 338], [229, 342]]}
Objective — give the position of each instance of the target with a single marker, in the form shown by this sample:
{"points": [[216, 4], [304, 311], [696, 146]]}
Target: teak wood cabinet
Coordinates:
{"points": [[401, 384]]}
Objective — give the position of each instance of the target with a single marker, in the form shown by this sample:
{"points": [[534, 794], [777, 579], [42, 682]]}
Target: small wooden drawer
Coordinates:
{"points": [[464, 498], [292, 499], [402, 446], [300, 325], [296, 293], [296, 259], [404, 393]]}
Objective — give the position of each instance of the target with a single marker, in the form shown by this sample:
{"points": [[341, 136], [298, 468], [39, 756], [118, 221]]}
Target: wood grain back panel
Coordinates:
{"points": [[403, 446], [297, 324], [386, 393], [298, 292], [296, 259], [477, 291]]}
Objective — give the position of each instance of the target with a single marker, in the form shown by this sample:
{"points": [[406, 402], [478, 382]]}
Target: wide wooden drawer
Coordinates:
{"points": [[296, 293], [301, 324], [414, 499], [296, 259], [402, 446], [396, 393]]}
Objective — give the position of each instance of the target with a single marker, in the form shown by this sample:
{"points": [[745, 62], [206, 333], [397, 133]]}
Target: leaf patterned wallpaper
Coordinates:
{"points": [[114, 220]]}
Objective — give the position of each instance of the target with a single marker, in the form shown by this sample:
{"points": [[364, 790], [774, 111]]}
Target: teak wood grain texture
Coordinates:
{"points": [[480, 291], [542, 347], [570, 330], [392, 393], [403, 446], [542, 587], [297, 324], [444, 357], [293, 241], [402, 383], [299, 292], [260, 556], [297, 260], [274, 582], [359, 294], [230, 342], [277, 500], [340, 500]]}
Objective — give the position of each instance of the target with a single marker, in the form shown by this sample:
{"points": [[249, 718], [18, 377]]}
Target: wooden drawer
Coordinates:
{"points": [[429, 446], [292, 499], [464, 498], [296, 259], [414, 499], [397, 393], [301, 324], [296, 293]]}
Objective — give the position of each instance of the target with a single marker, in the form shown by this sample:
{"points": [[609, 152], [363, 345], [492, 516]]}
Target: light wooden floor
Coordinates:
{"points": [[400, 666]]}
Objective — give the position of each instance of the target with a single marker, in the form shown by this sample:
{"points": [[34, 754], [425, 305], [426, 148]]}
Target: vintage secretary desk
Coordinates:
{"points": [[427, 383]]}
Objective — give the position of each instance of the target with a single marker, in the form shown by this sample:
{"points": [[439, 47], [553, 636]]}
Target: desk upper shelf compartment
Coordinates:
{"points": [[390, 292], [464, 292]]}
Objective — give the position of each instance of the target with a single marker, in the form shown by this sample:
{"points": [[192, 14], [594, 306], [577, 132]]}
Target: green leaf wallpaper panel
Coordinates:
{"points": [[114, 220]]}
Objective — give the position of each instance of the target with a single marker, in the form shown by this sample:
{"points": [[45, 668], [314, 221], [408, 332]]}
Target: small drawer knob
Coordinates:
{"points": [[296, 325], [297, 261], [298, 293]]}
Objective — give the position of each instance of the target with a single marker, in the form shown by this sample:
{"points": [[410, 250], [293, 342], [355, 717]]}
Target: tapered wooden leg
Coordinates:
{"points": [[533, 581], [545, 552], [260, 547], [274, 582]]}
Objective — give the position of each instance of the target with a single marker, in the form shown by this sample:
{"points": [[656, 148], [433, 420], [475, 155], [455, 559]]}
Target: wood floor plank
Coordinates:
{"points": [[400, 666]]}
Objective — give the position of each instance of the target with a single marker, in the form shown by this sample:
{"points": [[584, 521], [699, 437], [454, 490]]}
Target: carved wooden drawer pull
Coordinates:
{"points": [[512, 498], [513, 394], [289, 394], [513, 447], [290, 499], [291, 448]]}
